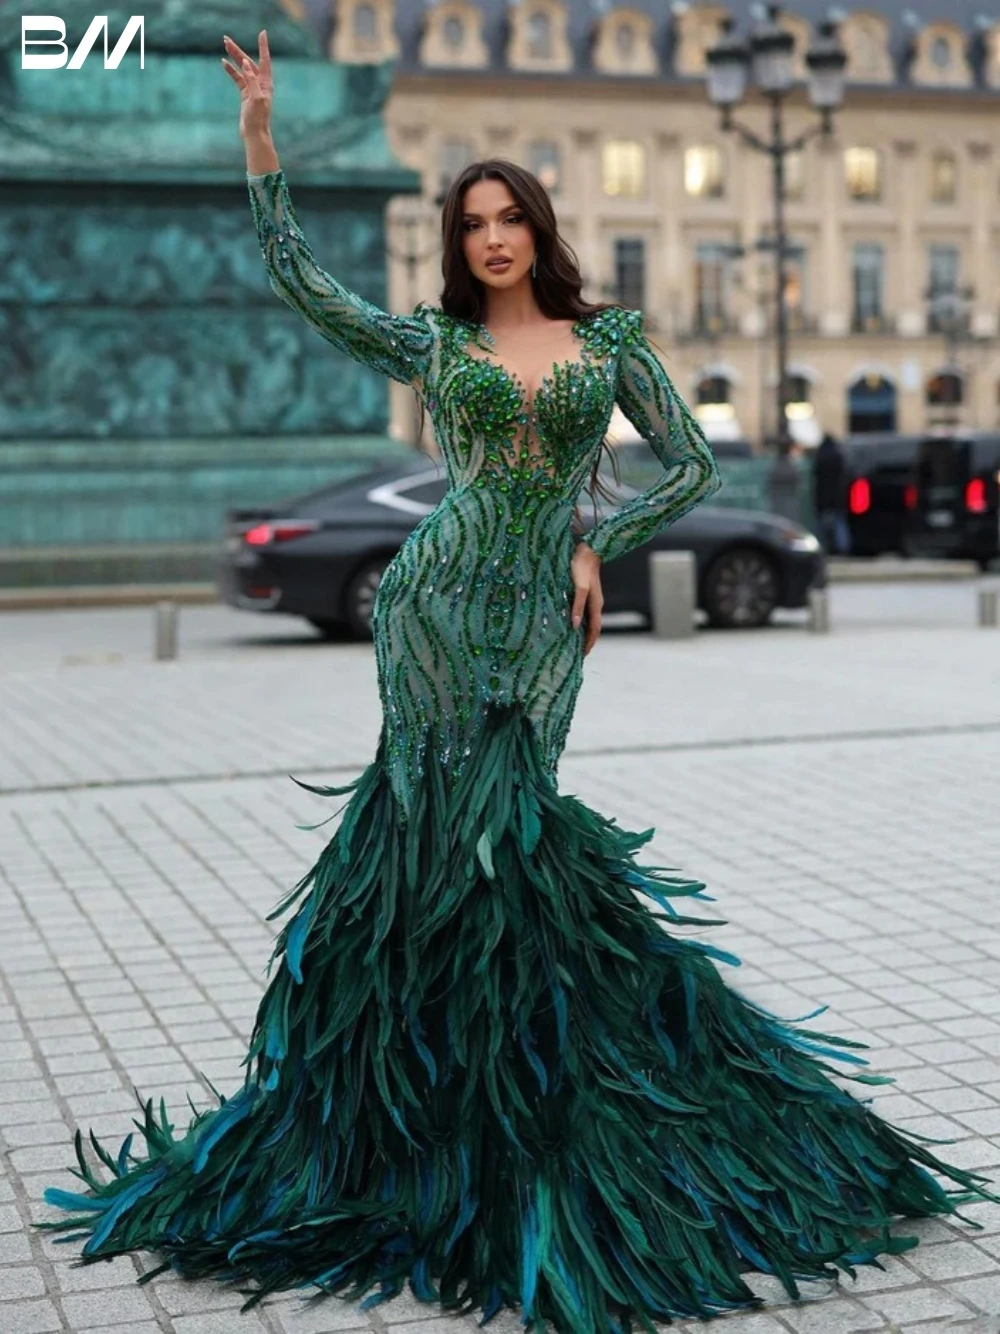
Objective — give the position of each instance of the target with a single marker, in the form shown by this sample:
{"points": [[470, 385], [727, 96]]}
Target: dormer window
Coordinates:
{"points": [[940, 57], [539, 35], [452, 36], [365, 27], [941, 52], [625, 41]]}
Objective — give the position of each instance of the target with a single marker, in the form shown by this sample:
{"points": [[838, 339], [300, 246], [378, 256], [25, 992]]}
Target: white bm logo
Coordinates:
{"points": [[48, 23]]}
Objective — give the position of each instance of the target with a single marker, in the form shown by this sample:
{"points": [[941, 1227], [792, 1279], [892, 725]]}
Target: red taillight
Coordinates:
{"points": [[975, 496], [910, 497], [859, 499], [280, 530]]}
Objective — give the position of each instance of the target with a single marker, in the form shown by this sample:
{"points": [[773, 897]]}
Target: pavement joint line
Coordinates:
{"points": [[902, 733]]}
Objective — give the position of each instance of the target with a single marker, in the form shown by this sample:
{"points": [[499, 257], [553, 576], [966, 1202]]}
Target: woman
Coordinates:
{"points": [[483, 1066]]}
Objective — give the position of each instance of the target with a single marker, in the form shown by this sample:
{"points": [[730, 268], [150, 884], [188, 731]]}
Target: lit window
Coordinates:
{"points": [[545, 161], [539, 35], [944, 178], [712, 277], [624, 168], [863, 172], [365, 27], [703, 171], [941, 52], [454, 31]]}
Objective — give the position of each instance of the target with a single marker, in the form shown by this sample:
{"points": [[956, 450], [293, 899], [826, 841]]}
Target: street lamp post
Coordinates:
{"points": [[768, 57]]}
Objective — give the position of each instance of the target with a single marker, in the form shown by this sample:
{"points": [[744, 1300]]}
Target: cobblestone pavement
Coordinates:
{"points": [[838, 793]]}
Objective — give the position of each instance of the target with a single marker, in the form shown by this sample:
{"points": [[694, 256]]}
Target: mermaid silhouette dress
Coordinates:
{"points": [[484, 1066]]}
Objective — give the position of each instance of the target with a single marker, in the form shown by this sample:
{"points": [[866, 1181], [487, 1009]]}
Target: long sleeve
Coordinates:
{"points": [[649, 400], [400, 346]]}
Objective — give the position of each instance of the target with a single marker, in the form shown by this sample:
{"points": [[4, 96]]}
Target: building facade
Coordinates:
{"points": [[893, 283]]}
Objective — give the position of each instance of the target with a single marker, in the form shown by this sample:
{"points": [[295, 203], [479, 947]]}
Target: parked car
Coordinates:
{"points": [[880, 468], [954, 502], [321, 556]]}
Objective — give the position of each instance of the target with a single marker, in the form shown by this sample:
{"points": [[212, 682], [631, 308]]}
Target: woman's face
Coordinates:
{"points": [[494, 228]]}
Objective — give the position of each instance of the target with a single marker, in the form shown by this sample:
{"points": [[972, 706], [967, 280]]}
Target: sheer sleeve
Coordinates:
{"points": [[649, 400], [400, 346]]}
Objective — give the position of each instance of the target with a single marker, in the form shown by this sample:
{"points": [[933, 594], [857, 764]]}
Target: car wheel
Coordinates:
{"points": [[360, 596], [741, 589]]}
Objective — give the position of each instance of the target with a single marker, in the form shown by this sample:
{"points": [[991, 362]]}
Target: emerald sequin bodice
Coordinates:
{"points": [[475, 607]]}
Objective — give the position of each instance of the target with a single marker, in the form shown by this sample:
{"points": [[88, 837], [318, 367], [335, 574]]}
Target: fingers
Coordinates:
{"points": [[263, 51], [239, 55], [579, 602], [594, 604], [234, 74]]}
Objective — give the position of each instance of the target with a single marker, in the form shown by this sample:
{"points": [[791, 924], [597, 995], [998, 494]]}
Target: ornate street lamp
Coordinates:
{"points": [[768, 57]]}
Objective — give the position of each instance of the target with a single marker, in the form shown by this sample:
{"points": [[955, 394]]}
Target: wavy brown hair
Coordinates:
{"points": [[557, 285]]}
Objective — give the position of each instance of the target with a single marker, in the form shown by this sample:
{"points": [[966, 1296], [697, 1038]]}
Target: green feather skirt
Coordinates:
{"points": [[485, 1067]]}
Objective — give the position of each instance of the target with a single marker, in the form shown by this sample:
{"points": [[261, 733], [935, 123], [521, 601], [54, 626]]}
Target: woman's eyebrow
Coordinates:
{"points": [[499, 213]]}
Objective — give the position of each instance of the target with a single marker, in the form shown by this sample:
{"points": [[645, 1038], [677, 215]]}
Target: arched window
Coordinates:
{"points": [[625, 41], [545, 161], [871, 404], [714, 389], [946, 389]]}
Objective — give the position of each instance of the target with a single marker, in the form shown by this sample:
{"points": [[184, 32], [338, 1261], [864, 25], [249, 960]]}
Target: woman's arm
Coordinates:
{"points": [[651, 403], [397, 345]]}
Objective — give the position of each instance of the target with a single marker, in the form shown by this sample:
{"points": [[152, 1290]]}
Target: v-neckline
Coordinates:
{"points": [[582, 360]]}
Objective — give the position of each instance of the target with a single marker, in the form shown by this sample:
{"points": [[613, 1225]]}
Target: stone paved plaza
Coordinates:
{"points": [[839, 795]]}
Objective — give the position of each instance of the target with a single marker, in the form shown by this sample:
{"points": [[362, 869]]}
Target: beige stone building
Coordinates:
{"points": [[607, 103]]}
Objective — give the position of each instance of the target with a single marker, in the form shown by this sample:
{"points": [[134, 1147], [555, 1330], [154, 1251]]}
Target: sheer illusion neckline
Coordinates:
{"points": [[557, 367]]}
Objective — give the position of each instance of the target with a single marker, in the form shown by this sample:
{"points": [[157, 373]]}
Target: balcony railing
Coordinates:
{"points": [[869, 322]]}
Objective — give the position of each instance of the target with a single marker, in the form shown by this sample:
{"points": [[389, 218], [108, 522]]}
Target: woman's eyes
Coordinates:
{"points": [[511, 217]]}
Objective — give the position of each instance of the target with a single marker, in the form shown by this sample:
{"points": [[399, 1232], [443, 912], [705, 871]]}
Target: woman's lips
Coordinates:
{"points": [[498, 263]]}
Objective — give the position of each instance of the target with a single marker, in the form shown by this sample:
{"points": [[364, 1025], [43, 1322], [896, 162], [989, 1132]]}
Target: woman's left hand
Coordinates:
{"points": [[586, 570]]}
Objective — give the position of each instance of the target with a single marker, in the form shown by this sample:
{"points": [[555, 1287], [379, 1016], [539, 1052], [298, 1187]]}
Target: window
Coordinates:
{"points": [[945, 390], [625, 41], [795, 175], [943, 263], [454, 31], [545, 161], [456, 154], [365, 27], [713, 389], [944, 177], [941, 53], [630, 271], [539, 35], [713, 262], [867, 272], [624, 168], [703, 175], [862, 169]]}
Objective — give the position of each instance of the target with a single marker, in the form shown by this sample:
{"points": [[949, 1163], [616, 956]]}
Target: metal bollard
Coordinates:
{"points": [[166, 631], [989, 606], [672, 586], [819, 611]]}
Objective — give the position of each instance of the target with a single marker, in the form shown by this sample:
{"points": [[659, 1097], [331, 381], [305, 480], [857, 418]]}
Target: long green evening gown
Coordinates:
{"points": [[483, 1065]]}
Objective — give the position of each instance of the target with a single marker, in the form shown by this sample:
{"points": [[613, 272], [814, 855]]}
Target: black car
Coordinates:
{"points": [[880, 474], [321, 556], [954, 505]]}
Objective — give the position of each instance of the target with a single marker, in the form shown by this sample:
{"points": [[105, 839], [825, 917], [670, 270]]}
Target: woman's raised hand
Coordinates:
{"points": [[256, 85]]}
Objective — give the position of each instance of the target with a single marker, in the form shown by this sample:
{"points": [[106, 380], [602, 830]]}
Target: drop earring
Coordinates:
{"points": [[534, 266]]}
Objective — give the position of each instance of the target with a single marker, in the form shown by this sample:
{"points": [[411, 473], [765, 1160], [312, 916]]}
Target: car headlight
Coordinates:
{"points": [[799, 539]]}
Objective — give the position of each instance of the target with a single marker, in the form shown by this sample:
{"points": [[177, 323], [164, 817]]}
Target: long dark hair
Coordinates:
{"points": [[557, 284]]}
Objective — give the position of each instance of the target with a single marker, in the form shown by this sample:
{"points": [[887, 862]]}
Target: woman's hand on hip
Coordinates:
{"points": [[588, 599], [255, 81]]}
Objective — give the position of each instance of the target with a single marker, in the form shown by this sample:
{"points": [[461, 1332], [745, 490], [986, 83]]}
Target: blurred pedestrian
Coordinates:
{"points": [[830, 495]]}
